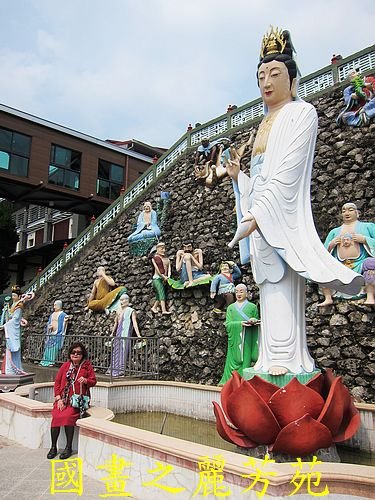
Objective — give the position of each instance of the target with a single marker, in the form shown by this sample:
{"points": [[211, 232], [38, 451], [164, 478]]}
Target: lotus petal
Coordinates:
{"points": [[351, 419], [295, 400], [231, 385], [264, 389], [333, 410], [316, 383], [328, 380], [302, 437], [251, 415], [229, 434]]}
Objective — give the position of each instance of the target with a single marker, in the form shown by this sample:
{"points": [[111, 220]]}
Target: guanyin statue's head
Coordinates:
{"points": [[277, 70], [277, 46]]}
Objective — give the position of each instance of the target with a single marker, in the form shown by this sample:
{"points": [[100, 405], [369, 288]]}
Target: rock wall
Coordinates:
{"points": [[192, 340]]}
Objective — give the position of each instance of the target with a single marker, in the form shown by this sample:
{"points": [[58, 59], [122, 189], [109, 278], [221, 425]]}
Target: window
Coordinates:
{"points": [[30, 240], [65, 167], [14, 152], [110, 179]]}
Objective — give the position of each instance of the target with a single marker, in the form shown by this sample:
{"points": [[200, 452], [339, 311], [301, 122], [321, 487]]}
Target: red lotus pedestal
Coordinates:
{"points": [[296, 419]]}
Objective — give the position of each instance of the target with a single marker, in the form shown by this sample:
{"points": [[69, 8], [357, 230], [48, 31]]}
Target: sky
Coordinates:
{"points": [[145, 69]]}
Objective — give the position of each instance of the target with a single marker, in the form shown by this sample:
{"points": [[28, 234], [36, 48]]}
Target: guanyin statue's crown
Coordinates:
{"points": [[272, 42]]}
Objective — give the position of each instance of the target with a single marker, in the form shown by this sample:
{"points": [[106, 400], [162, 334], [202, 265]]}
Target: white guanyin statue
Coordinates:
{"points": [[276, 231]]}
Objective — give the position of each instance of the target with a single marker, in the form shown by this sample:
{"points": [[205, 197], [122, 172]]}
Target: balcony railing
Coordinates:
{"points": [[319, 82]]}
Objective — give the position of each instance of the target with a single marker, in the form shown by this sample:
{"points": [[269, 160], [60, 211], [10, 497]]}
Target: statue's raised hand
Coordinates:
{"points": [[233, 165]]}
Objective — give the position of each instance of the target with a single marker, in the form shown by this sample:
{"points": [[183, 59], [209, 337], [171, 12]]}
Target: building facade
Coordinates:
{"points": [[58, 179]]}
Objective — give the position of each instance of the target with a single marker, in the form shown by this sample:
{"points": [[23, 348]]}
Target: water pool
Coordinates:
{"points": [[203, 432]]}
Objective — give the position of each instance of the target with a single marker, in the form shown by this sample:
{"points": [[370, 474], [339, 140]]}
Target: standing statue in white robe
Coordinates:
{"points": [[276, 230]]}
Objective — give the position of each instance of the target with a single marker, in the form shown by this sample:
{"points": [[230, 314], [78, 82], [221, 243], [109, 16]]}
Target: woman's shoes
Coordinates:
{"points": [[52, 453], [66, 453]]}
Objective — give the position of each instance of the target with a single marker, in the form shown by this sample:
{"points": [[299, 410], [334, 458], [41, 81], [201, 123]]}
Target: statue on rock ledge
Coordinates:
{"points": [[276, 229], [162, 272], [241, 320], [103, 294], [211, 159], [353, 244], [222, 288], [359, 98], [189, 263], [146, 233]]}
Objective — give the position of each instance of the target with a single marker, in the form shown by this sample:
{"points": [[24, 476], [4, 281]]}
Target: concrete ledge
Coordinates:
{"points": [[137, 446]]}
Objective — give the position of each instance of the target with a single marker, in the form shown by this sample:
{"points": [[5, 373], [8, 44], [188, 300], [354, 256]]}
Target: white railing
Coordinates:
{"points": [[316, 84], [247, 114], [171, 157], [107, 217], [212, 129], [139, 187], [51, 271], [78, 245], [364, 61]]}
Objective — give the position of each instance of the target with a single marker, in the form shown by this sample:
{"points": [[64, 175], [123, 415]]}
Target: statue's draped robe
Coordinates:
{"points": [[286, 249], [120, 347], [144, 230], [242, 341], [54, 339], [105, 296], [12, 361]]}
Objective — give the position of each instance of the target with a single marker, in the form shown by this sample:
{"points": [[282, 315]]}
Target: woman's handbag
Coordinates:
{"points": [[80, 400]]}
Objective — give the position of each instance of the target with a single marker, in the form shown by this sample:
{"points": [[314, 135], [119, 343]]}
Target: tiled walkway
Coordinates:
{"points": [[26, 474]]}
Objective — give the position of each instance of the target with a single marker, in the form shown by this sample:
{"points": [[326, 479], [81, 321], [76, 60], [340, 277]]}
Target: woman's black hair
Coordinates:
{"points": [[286, 57], [81, 346]]}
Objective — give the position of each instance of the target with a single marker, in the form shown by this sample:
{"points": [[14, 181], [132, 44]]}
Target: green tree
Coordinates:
{"points": [[8, 241]]}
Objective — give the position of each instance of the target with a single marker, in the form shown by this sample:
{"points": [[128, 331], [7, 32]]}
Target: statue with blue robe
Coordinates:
{"points": [[353, 244], [55, 332], [359, 98], [12, 363], [147, 225], [124, 327], [222, 287]]}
